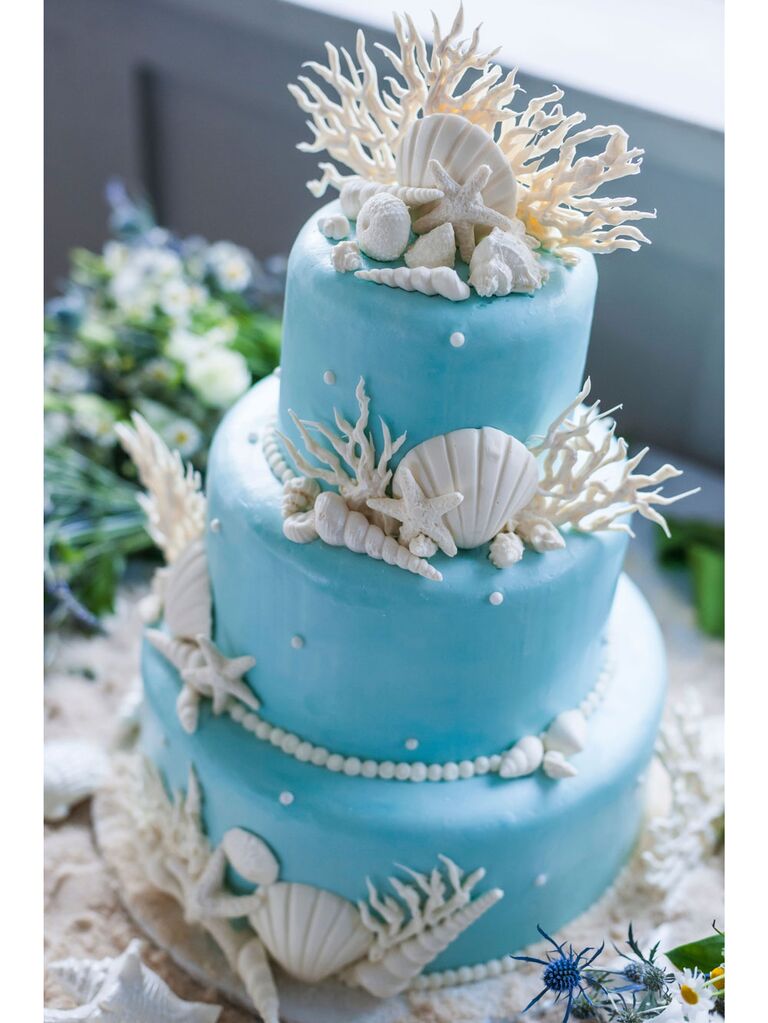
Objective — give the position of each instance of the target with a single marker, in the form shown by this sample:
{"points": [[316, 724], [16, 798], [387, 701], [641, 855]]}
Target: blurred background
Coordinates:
{"points": [[185, 103]]}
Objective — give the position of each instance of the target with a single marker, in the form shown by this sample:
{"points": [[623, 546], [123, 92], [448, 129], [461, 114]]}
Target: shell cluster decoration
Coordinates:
{"points": [[440, 145], [381, 945], [466, 488]]}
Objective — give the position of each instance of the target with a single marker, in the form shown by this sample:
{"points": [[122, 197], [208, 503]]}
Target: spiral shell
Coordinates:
{"points": [[356, 191], [503, 263], [525, 757], [188, 594], [383, 227], [312, 933], [567, 734], [495, 472], [300, 527], [299, 494], [460, 147], [253, 969], [340, 527], [440, 280]]}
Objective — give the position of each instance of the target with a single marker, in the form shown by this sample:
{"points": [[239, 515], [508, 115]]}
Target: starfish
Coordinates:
{"points": [[462, 206], [419, 514], [220, 677], [122, 989]]}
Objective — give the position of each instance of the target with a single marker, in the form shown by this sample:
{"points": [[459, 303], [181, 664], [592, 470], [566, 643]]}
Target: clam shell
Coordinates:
{"points": [[312, 933], [495, 472], [461, 147], [188, 594], [250, 856]]}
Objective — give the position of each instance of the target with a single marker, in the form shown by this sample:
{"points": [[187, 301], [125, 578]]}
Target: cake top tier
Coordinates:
{"points": [[438, 150]]}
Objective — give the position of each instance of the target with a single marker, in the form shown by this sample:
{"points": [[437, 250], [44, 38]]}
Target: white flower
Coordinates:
{"points": [[692, 1000], [184, 346], [223, 333], [63, 377], [94, 418], [55, 428], [183, 436], [115, 256], [95, 331], [218, 375], [230, 265], [159, 371]]}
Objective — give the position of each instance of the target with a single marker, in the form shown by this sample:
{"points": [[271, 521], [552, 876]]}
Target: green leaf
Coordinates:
{"points": [[97, 587], [703, 955]]}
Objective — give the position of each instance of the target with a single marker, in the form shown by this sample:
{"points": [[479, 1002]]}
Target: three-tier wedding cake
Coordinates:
{"points": [[399, 699]]}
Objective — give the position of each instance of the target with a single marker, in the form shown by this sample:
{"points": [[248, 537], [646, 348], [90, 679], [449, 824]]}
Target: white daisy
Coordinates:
{"points": [[183, 436], [218, 375], [230, 265]]}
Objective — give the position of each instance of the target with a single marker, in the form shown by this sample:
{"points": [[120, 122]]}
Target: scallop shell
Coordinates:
{"points": [[312, 933], [72, 771], [188, 594], [250, 856], [383, 227], [460, 147], [495, 472]]}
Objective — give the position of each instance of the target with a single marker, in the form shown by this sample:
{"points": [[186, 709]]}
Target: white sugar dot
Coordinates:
{"points": [[496, 598], [286, 798], [215, 525], [457, 339], [297, 642], [329, 377], [411, 744], [253, 437], [540, 880]]}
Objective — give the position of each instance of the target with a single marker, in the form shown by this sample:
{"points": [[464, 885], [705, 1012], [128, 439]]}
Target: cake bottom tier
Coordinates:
{"points": [[553, 846]]}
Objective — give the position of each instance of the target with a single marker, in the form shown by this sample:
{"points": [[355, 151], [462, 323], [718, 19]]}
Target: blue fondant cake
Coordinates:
{"points": [[402, 635]]}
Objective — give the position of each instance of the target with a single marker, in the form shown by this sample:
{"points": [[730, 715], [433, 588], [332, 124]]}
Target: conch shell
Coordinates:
{"points": [[504, 262]]}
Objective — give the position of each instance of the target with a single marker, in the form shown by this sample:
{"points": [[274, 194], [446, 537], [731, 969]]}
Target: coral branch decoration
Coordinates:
{"points": [[587, 479], [174, 503], [558, 165]]}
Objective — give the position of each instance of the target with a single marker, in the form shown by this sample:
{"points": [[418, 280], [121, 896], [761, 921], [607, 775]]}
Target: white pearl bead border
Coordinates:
{"points": [[463, 975], [389, 770], [273, 454]]}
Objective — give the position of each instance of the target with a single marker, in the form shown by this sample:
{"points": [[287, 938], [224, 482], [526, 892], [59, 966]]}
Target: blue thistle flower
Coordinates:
{"points": [[565, 973]]}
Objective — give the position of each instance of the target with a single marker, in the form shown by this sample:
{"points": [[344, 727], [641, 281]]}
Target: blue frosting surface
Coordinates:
{"points": [[388, 656], [574, 835], [521, 364]]}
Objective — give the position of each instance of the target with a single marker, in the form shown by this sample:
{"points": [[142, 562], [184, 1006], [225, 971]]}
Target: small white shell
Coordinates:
{"points": [[188, 594], [436, 248], [356, 191], [250, 856], [312, 933], [503, 263], [495, 472], [345, 257], [300, 527], [556, 766], [335, 226], [460, 147], [256, 975], [299, 495], [440, 280], [525, 757], [567, 734], [72, 771], [506, 549], [539, 533], [383, 227]]}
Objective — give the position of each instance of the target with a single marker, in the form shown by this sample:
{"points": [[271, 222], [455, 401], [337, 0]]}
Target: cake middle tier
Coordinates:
{"points": [[430, 365], [368, 660]]}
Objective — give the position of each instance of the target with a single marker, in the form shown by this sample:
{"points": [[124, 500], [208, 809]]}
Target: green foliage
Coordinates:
{"points": [[703, 955]]}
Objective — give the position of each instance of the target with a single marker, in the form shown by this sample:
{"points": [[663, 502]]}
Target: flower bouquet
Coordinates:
{"points": [[175, 328]]}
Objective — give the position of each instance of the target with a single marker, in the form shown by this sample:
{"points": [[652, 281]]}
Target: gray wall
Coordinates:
{"points": [[187, 99]]}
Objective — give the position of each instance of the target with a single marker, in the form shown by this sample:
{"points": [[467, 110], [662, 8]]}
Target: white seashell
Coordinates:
{"points": [[312, 933], [556, 766], [300, 527], [525, 757], [506, 549], [299, 494], [503, 263], [422, 546], [188, 594], [356, 191], [122, 989], [495, 472], [72, 771], [253, 969], [345, 257], [440, 280], [567, 734], [436, 248], [335, 226], [250, 856], [460, 147], [340, 527], [383, 227], [539, 533], [182, 653], [397, 968]]}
